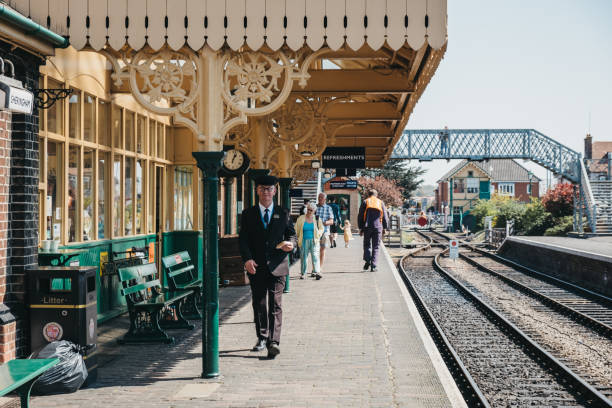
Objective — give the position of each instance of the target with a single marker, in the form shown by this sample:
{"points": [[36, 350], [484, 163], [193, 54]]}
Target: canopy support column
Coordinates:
{"points": [[285, 183], [209, 163]]}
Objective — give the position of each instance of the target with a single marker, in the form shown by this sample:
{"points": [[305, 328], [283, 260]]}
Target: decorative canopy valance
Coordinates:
{"points": [[254, 23]]}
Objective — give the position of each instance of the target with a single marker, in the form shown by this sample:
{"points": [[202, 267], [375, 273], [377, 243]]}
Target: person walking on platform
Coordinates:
{"points": [[266, 236], [333, 229], [347, 233], [372, 221], [309, 231], [326, 215]]}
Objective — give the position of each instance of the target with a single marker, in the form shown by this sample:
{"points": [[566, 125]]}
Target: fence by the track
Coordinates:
{"points": [[432, 221]]}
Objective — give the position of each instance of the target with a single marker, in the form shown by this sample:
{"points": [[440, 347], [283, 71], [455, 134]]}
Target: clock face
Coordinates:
{"points": [[233, 160]]}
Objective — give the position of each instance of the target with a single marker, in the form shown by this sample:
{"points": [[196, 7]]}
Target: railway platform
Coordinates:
{"points": [[586, 262], [353, 338]]}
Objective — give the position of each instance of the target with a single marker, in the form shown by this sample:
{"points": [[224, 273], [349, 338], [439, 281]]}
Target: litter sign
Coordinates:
{"points": [[453, 246]]}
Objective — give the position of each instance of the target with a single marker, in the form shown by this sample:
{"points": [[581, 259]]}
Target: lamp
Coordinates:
{"points": [[315, 164], [530, 175]]}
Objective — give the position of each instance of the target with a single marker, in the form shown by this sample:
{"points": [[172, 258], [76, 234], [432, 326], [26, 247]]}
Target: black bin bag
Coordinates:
{"points": [[65, 377]]}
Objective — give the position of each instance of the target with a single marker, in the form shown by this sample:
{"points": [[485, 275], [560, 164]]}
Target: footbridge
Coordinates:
{"points": [[485, 144]]}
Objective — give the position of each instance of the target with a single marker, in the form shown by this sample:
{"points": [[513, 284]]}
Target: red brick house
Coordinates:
{"points": [[474, 180], [598, 156]]}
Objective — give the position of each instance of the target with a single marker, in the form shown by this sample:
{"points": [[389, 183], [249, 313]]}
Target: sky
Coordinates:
{"points": [[540, 64]]}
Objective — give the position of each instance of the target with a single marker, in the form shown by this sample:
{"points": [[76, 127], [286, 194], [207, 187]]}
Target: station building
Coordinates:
{"points": [[110, 165], [469, 181]]}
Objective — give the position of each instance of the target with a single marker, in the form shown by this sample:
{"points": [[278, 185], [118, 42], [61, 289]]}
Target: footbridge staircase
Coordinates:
{"points": [[485, 144]]}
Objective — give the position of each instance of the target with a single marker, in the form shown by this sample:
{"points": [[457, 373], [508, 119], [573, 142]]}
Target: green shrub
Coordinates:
{"points": [[564, 225], [536, 220], [482, 209], [510, 210]]}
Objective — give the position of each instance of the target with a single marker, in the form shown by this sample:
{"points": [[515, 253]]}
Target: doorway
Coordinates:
{"points": [[344, 206]]}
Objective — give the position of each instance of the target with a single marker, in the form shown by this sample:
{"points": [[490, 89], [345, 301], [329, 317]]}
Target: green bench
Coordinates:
{"points": [[146, 300], [181, 274], [20, 375]]}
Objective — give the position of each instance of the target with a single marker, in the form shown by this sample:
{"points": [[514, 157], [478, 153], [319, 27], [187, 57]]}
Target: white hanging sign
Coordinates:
{"points": [[14, 98]]}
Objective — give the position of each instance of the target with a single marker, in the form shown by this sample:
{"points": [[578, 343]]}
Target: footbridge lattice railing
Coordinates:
{"points": [[484, 144]]}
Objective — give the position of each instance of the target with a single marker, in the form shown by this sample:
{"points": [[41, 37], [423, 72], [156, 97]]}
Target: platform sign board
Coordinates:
{"points": [[347, 184], [453, 246], [344, 158]]}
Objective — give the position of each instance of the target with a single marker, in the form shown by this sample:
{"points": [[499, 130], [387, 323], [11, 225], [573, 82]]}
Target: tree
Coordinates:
{"points": [[388, 190], [559, 201], [536, 220], [406, 177]]}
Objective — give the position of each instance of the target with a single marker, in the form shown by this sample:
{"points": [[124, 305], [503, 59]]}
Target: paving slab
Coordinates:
{"points": [[353, 338]]}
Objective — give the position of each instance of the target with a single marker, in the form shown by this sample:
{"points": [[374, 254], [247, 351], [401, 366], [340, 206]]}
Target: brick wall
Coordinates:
{"points": [[18, 209], [7, 323], [442, 198], [5, 161]]}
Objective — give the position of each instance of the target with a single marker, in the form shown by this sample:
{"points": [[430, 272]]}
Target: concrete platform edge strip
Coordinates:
{"points": [[446, 379], [560, 248]]}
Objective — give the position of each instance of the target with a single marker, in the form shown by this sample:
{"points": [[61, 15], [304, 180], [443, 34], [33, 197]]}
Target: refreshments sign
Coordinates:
{"points": [[344, 158]]}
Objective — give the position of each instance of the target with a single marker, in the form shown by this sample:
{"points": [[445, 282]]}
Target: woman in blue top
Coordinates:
{"points": [[309, 232]]}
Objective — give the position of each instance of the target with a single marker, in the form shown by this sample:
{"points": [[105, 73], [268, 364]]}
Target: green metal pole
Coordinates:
{"points": [[228, 183], [285, 183], [209, 163], [451, 212], [253, 175]]}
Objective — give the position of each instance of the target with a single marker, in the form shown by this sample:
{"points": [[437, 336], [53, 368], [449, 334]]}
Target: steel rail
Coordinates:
{"points": [[607, 301], [598, 297], [582, 318], [467, 386], [578, 316], [582, 388]]}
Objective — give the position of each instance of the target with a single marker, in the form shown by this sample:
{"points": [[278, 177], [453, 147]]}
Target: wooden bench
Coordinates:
{"points": [[146, 300], [20, 375], [181, 274]]}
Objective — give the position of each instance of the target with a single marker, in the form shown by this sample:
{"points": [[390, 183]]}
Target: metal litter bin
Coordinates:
{"points": [[63, 306]]}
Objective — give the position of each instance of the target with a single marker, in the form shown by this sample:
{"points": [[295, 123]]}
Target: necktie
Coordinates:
{"points": [[266, 218]]}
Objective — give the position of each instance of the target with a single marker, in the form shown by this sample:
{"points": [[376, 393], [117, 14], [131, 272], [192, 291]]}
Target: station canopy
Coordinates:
{"points": [[383, 52]]}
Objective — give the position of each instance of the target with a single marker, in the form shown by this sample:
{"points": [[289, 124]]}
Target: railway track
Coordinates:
{"points": [[591, 309], [496, 361]]}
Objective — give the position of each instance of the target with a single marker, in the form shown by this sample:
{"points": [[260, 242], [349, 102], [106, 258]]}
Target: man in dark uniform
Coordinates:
{"points": [[266, 236], [372, 221]]}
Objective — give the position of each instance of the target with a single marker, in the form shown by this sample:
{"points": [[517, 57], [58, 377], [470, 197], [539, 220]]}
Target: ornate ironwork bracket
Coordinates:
{"points": [[46, 98]]}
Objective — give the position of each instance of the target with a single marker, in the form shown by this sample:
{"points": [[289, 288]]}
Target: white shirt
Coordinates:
{"points": [[262, 211]]}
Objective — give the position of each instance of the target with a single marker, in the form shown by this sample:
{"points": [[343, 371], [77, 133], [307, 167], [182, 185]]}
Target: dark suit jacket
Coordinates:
{"points": [[259, 244]]}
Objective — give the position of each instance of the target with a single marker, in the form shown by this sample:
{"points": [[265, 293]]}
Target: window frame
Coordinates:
{"points": [[99, 150], [506, 189]]}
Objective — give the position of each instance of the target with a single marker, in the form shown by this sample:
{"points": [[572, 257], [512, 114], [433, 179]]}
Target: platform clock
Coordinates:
{"points": [[235, 163]]}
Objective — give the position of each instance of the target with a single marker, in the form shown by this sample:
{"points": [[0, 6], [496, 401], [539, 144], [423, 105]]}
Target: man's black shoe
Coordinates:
{"points": [[273, 350], [261, 344], [366, 266], [374, 268]]}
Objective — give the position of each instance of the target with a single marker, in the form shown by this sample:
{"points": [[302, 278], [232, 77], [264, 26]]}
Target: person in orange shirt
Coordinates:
{"points": [[372, 221]]}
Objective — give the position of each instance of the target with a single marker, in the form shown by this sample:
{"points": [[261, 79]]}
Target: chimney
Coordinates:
{"points": [[588, 146]]}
